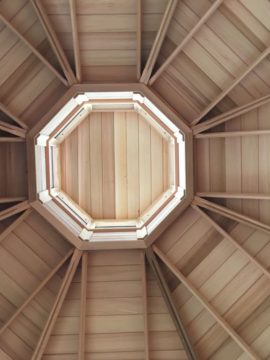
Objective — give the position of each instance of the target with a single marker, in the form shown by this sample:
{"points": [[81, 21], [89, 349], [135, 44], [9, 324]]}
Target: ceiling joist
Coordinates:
{"points": [[188, 37], [207, 305], [231, 214], [166, 293], [10, 114], [12, 129], [33, 49], [13, 210], [55, 44], [75, 39], [153, 55], [229, 134], [44, 338], [227, 195], [83, 306], [231, 114]]}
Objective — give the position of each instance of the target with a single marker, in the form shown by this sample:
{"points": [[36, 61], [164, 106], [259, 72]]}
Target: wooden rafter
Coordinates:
{"points": [[145, 309], [170, 304], [153, 55], [139, 39], [33, 49], [38, 352], [236, 81], [231, 114], [227, 236], [75, 39], [55, 44], [227, 195], [13, 210], [231, 214], [83, 306], [10, 114], [14, 224], [35, 292], [4, 356], [189, 36], [6, 200], [9, 139], [12, 129], [207, 305], [227, 134]]}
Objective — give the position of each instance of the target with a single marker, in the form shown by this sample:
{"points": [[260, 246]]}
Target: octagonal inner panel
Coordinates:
{"points": [[114, 165]]}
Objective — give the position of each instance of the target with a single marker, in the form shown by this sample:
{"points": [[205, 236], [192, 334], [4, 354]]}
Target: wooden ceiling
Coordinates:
{"points": [[203, 288]]}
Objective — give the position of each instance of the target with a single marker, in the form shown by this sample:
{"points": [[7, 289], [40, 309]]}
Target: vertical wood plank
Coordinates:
{"points": [[72, 165], [156, 166], [83, 306], [144, 164]]}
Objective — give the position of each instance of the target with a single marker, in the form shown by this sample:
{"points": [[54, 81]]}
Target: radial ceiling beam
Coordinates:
{"points": [[35, 292], [231, 114], [75, 39], [83, 306], [227, 195], [52, 38], [42, 343], [139, 39], [12, 129], [152, 58], [10, 114], [7, 200], [4, 356], [145, 308], [189, 36], [236, 81], [231, 214], [207, 305], [10, 139], [14, 224], [230, 134], [227, 236], [151, 257], [13, 210], [33, 49]]}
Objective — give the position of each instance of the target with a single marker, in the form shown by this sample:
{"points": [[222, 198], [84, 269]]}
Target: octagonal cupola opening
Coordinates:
{"points": [[110, 166]]}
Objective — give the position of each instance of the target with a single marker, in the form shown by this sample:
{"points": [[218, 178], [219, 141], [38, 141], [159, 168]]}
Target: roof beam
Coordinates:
{"points": [[33, 49], [207, 305], [10, 139], [14, 117], [14, 224], [35, 292], [75, 39], [13, 210], [6, 200], [12, 129], [231, 214], [166, 293], [55, 44], [42, 343], [227, 195], [231, 114], [227, 134], [139, 39], [152, 58], [189, 36], [145, 308], [83, 306], [236, 81], [227, 236]]}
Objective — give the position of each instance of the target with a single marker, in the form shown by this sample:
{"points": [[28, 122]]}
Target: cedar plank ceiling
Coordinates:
{"points": [[210, 63]]}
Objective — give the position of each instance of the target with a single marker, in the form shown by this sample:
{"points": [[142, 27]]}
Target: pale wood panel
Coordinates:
{"points": [[119, 162]]}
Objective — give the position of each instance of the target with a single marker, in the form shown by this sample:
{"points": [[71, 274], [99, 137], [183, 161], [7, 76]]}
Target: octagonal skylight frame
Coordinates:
{"points": [[47, 171]]}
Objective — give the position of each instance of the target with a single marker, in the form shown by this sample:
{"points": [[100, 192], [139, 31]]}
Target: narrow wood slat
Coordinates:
{"points": [[153, 55], [14, 117], [13, 210], [83, 306], [226, 134], [5, 200], [42, 343], [9, 139], [75, 39], [228, 195], [12, 129], [33, 49], [139, 39], [145, 308], [207, 305], [189, 36]]}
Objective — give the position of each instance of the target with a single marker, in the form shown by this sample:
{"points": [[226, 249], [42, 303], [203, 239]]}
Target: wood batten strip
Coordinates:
{"points": [[152, 58], [34, 50], [231, 214], [139, 39], [145, 308], [13, 210], [35, 292], [14, 224], [170, 304], [83, 306], [12, 129], [227, 134], [55, 44], [231, 114], [207, 305], [227, 236], [75, 39], [42, 343], [236, 81], [227, 195], [10, 114], [189, 36]]}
